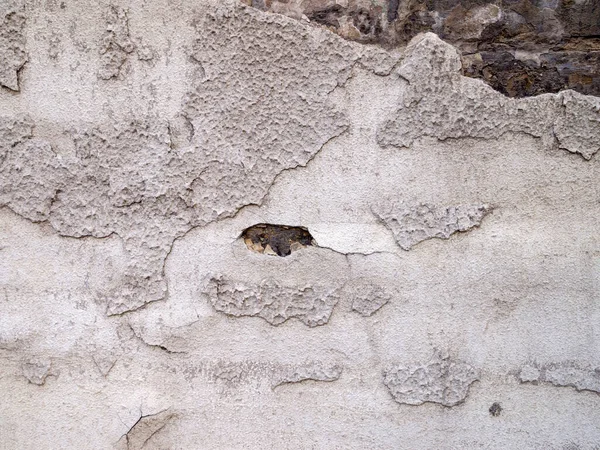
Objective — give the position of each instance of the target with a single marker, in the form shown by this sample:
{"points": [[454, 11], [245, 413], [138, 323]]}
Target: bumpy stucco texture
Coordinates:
{"points": [[12, 43], [223, 228]]}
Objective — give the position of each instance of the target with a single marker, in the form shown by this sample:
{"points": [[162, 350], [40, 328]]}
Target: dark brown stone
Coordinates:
{"points": [[560, 38]]}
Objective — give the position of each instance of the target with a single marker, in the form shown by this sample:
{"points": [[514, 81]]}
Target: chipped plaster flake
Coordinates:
{"points": [[312, 305], [443, 104], [413, 224], [145, 428], [307, 372], [12, 43], [582, 378], [36, 370], [367, 297], [442, 379]]}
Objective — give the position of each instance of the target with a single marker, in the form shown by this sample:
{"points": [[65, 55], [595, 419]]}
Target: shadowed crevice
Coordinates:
{"points": [[280, 240]]}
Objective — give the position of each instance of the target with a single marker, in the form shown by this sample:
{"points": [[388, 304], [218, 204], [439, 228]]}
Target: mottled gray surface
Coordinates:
{"points": [[308, 372], [131, 179], [367, 297]]}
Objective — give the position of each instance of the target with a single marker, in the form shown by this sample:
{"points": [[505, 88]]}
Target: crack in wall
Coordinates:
{"points": [[145, 428]]}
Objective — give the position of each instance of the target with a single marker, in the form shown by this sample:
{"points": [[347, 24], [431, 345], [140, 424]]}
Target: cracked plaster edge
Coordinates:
{"points": [[489, 209], [548, 136]]}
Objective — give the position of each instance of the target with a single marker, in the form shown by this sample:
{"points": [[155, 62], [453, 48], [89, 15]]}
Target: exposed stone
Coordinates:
{"points": [[441, 380], [36, 370], [278, 240], [312, 305], [413, 224], [521, 48], [367, 297], [12, 43], [443, 104], [306, 372], [116, 43], [582, 378]]}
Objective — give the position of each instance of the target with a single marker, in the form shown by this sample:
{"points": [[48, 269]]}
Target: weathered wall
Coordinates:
{"points": [[519, 47], [436, 284]]}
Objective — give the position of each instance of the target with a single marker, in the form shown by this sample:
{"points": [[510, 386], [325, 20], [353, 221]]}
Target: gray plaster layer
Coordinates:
{"points": [[116, 45], [562, 374], [411, 225], [440, 380], [312, 305], [121, 191], [367, 296], [13, 54]]}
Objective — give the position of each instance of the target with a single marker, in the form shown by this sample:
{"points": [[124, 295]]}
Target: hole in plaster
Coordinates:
{"points": [[495, 409], [280, 240]]}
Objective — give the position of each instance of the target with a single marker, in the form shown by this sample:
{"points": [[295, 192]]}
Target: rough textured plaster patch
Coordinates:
{"points": [[260, 109], [443, 104], [236, 373], [306, 372], [12, 43], [562, 374], [36, 370], [278, 240], [145, 428], [413, 224], [312, 305], [116, 45], [441, 380], [367, 297], [13, 130]]}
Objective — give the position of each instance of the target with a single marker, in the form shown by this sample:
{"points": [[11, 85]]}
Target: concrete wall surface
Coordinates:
{"points": [[226, 228]]}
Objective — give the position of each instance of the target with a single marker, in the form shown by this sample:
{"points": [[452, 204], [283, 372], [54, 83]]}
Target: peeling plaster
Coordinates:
{"points": [[570, 374], [275, 303], [141, 147], [413, 224], [442, 379], [443, 104]]}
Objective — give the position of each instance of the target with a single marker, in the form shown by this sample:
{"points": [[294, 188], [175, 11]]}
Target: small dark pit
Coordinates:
{"points": [[280, 240], [495, 409]]}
